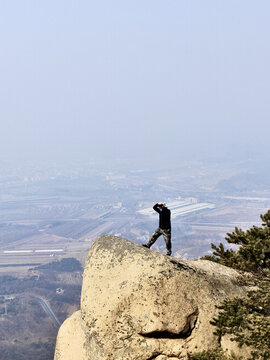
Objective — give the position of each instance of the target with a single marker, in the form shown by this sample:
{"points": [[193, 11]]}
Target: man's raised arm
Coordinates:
{"points": [[157, 206]]}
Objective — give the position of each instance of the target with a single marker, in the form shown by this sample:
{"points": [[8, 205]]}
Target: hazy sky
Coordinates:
{"points": [[143, 79]]}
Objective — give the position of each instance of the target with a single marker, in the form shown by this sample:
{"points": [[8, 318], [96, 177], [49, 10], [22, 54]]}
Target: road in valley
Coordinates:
{"points": [[46, 307]]}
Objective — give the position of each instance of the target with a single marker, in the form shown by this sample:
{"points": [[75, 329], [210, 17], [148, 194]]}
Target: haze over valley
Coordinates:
{"points": [[55, 212]]}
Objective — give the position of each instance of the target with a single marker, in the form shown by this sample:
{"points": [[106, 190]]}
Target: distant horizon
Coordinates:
{"points": [[65, 161], [11, 167]]}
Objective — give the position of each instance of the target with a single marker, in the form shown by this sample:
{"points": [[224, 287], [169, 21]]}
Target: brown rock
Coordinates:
{"points": [[138, 304]]}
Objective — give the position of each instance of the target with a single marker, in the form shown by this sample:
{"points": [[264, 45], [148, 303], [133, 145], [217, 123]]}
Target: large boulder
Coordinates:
{"points": [[139, 304]]}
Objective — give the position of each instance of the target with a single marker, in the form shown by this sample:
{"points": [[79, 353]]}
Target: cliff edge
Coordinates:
{"points": [[139, 304]]}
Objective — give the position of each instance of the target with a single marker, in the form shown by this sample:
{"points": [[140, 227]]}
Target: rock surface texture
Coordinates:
{"points": [[137, 304]]}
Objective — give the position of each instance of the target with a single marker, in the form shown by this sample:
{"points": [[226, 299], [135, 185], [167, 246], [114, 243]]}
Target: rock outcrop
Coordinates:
{"points": [[139, 304]]}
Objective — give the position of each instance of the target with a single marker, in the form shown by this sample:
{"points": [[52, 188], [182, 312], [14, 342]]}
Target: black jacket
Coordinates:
{"points": [[164, 217]]}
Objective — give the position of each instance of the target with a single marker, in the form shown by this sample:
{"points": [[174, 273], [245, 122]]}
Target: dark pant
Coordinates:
{"points": [[167, 237]]}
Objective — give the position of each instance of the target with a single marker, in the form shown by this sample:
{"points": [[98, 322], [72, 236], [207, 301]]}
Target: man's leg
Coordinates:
{"points": [[167, 237], [154, 237]]}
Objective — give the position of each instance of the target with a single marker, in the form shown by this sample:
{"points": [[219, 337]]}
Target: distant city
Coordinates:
{"points": [[54, 211]]}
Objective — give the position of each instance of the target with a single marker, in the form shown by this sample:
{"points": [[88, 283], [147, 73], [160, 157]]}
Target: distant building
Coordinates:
{"points": [[60, 291]]}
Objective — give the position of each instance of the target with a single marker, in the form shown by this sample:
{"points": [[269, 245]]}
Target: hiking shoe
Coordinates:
{"points": [[145, 245], [169, 253]]}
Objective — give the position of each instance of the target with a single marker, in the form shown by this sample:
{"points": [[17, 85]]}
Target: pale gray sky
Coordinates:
{"points": [[145, 79]]}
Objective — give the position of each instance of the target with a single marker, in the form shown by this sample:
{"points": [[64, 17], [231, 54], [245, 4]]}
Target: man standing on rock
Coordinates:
{"points": [[164, 227]]}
